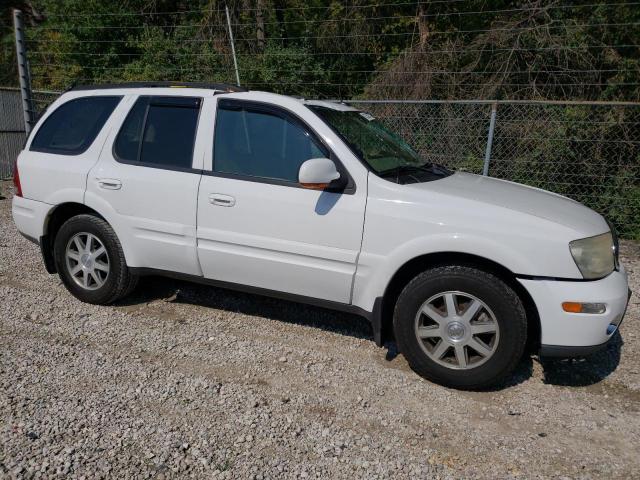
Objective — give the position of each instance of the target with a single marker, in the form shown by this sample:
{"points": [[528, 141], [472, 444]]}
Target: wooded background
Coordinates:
{"points": [[369, 48]]}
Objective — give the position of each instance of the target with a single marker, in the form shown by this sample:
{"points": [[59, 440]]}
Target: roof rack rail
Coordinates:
{"points": [[224, 87]]}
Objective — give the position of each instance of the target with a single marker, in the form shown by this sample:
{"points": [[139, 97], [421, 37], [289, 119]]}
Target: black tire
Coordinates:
{"points": [[118, 283], [494, 293]]}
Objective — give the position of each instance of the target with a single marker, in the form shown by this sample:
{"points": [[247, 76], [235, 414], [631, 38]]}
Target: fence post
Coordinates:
{"points": [[492, 126], [23, 72], [233, 47]]}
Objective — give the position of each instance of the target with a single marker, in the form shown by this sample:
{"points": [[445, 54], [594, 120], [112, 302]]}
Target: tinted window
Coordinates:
{"points": [[128, 141], [73, 126], [261, 144], [159, 131]]}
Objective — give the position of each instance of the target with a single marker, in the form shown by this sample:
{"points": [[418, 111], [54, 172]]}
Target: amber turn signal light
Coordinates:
{"points": [[577, 307], [315, 186]]}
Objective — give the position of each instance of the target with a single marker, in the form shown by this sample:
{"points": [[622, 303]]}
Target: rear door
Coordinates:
{"points": [[257, 226], [149, 180]]}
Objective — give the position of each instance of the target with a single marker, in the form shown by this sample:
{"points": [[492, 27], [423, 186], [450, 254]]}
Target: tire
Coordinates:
{"points": [[424, 329], [92, 284]]}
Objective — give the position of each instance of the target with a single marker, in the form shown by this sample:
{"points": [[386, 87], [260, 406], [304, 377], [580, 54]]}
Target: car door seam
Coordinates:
{"points": [[364, 219]]}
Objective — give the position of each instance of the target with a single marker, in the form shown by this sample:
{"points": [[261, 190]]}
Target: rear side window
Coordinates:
{"points": [[159, 132], [74, 125], [261, 142]]}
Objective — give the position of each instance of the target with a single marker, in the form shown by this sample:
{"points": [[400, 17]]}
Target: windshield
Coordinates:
{"points": [[383, 150]]}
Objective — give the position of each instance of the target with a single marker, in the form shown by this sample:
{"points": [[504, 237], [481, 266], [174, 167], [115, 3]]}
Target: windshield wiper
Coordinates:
{"points": [[440, 169], [410, 170]]}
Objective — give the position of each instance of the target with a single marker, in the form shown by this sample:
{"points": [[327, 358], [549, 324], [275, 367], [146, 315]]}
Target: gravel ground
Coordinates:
{"points": [[185, 380]]}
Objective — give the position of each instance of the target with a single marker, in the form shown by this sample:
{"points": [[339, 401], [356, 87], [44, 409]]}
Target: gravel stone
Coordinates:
{"points": [[179, 381]]}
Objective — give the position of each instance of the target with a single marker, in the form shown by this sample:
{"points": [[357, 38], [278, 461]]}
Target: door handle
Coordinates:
{"points": [[109, 183], [222, 200]]}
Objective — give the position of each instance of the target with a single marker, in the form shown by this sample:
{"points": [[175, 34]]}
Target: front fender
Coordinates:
{"points": [[375, 270]]}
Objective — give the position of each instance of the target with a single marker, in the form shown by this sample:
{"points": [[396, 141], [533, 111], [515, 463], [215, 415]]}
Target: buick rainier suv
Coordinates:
{"points": [[319, 203]]}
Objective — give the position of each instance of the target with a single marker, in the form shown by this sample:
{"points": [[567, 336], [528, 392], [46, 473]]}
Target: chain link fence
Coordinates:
{"points": [[12, 134], [588, 151], [12, 131], [40, 100]]}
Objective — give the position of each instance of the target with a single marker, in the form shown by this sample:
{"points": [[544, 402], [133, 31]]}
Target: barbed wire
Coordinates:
{"points": [[304, 53], [364, 72], [393, 84], [280, 9], [426, 15], [359, 19], [449, 14], [365, 35], [444, 32], [81, 64]]}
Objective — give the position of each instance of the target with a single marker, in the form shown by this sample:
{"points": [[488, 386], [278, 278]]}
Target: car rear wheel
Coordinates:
{"points": [[90, 260], [460, 327]]}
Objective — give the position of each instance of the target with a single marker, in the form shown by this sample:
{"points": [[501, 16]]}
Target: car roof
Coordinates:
{"points": [[335, 105], [195, 88], [220, 87]]}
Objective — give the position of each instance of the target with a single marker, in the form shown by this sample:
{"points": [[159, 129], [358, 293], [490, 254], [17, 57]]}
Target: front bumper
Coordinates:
{"points": [[575, 334]]}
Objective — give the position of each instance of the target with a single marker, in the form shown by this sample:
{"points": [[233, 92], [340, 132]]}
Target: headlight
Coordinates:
{"points": [[594, 256], [616, 246]]}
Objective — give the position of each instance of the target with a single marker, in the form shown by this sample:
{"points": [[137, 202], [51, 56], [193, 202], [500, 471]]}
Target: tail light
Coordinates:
{"points": [[16, 180]]}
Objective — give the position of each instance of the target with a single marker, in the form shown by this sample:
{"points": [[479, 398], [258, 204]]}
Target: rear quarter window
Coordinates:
{"points": [[74, 125]]}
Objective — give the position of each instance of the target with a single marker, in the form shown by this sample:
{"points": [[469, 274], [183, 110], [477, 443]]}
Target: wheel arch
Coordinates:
{"points": [[56, 218], [419, 264]]}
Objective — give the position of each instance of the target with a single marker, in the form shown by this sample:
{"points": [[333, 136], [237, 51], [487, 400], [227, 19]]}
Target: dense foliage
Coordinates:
{"points": [[379, 48]]}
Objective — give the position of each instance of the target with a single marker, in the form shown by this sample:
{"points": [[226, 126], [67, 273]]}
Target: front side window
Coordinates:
{"points": [[160, 132], [74, 125], [261, 142]]}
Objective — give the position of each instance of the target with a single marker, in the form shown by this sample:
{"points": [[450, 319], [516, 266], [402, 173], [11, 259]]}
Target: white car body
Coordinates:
{"points": [[336, 249]]}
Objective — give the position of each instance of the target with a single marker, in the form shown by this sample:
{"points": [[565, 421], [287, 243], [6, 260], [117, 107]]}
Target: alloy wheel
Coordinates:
{"points": [[457, 330], [87, 260]]}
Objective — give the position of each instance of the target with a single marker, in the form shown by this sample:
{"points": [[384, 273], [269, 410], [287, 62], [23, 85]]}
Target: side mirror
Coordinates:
{"points": [[318, 174]]}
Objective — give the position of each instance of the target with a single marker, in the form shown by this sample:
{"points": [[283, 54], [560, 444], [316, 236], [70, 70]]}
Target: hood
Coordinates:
{"points": [[520, 198]]}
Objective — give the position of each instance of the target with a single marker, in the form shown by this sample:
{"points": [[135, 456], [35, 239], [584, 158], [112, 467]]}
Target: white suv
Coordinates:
{"points": [[319, 203]]}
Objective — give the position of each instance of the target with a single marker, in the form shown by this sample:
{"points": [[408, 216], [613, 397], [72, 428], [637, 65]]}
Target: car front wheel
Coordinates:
{"points": [[460, 326]]}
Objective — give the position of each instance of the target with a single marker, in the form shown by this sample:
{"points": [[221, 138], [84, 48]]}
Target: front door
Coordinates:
{"points": [[257, 226]]}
